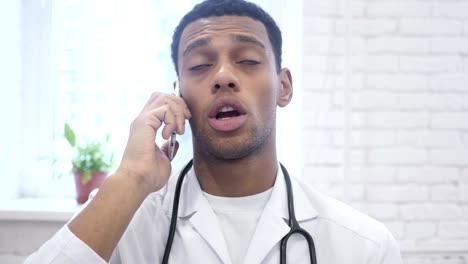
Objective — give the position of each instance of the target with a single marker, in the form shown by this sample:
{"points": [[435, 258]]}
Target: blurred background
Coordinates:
{"points": [[379, 117]]}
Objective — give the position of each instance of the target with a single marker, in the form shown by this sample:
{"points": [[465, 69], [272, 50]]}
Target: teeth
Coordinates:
{"points": [[226, 109]]}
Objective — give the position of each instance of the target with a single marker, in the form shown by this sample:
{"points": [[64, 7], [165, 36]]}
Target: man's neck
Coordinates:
{"points": [[237, 178]]}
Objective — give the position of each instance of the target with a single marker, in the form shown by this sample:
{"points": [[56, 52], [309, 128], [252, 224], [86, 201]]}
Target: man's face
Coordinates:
{"points": [[230, 84]]}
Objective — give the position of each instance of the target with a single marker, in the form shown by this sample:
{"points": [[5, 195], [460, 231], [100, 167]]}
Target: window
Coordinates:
{"points": [[94, 64]]}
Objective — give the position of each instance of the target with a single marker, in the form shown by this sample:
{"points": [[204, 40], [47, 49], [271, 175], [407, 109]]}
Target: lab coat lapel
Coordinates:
{"points": [[273, 226], [194, 207], [270, 229], [206, 224]]}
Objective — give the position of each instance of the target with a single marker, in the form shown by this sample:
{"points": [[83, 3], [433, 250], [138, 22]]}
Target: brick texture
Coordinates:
{"points": [[407, 81]]}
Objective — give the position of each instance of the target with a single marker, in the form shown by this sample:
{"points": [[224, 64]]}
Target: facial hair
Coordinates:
{"points": [[236, 147]]}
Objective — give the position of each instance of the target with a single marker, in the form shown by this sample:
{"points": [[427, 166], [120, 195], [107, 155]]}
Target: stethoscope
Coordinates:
{"points": [[295, 228]]}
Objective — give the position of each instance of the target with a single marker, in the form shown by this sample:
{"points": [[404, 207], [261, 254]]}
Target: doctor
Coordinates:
{"points": [[233, 206]]}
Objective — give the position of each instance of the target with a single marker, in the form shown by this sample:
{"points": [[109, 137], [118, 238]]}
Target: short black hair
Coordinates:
{"points": [[211, 8]]}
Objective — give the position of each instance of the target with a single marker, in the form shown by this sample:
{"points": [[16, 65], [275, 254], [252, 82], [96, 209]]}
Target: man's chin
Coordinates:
{"points": [[233, 147], [229, 153], [230, 150]]}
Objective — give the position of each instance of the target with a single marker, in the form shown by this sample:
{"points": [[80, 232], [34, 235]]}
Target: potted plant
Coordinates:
{"points": [[91, 164]]}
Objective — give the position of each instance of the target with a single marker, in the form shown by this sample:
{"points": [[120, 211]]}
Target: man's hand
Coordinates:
{"points": [[145, 168], [144, 159]]}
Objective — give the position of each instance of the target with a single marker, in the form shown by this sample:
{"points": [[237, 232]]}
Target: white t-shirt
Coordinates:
{"points": [[238, 218]]}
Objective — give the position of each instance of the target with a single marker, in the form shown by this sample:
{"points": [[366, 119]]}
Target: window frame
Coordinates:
{"points": [[39, 88]]}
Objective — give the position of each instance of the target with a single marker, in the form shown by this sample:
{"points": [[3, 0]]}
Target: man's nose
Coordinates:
{"points": [[225, 78]]}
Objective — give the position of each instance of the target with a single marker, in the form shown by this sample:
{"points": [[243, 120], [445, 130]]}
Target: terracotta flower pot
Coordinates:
{"points": [[82, 191]]}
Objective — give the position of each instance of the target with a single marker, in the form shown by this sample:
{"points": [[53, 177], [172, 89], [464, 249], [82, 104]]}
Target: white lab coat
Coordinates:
{"points": [[340, 233]]}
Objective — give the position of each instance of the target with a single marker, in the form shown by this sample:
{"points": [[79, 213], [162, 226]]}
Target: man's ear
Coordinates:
{"points": [[285, 91]]}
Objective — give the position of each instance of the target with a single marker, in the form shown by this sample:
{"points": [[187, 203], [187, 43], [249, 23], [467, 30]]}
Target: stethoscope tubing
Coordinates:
{"points": [[295, 228], [175, 210]]}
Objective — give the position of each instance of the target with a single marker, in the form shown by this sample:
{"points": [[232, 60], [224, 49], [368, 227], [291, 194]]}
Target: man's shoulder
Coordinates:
{"points": [[342, 216]]}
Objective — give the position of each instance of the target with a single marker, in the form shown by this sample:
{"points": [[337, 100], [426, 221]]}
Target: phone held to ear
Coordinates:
{"points": [[172, 143], [172, 140]]}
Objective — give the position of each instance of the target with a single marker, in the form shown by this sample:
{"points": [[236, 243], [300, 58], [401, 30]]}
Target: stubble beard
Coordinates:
{"points": [[237, 147]]}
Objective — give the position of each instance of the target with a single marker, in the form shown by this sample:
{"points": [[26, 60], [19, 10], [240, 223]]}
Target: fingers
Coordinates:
{"points": [[170, 110], [172, 100], [180, 110], [151, 100], [158, 99], [156, 117]]}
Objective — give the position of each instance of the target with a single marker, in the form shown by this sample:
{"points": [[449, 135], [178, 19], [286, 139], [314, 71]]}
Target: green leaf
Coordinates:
{"points": [[90, 157], [86, 177], [111, 160], [69, 135]]}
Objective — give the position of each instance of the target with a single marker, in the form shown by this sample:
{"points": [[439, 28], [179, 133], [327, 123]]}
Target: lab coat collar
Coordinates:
{"points": [[279, 202], [193, 195], [271, 228], [273, 225], [194, 207]]}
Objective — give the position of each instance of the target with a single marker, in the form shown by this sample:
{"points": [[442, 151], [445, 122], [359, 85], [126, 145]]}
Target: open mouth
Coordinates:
{"points": [[227, 112], [225, 108]]}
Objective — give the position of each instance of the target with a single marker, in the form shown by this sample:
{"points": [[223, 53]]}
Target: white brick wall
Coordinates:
{"points": [[430, 26], [397, 9], [408, 87], [447, 9]]}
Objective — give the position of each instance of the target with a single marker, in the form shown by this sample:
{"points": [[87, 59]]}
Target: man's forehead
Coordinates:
{"points": [[231, 25]]}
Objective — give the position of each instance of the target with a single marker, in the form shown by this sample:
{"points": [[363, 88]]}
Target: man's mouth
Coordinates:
{"points": [[227, 114], [226, 107]]}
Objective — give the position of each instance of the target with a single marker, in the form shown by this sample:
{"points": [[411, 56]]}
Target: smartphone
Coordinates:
{"points": [[172, 143], [172, 140]]}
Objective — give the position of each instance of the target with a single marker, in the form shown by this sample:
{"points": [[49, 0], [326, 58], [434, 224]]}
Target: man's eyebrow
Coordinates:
{"points": [[196, 44], [248, 39]]}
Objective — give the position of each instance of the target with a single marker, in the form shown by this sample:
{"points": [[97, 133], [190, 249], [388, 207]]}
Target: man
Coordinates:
{"points": [[233, 203]]}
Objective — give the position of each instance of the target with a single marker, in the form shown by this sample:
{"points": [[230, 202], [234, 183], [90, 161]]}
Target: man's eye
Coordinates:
{"points": [[199, 67], [249, 62]]}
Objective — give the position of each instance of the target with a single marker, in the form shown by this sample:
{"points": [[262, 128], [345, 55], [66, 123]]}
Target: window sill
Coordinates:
{"points": [[39, 209]]}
